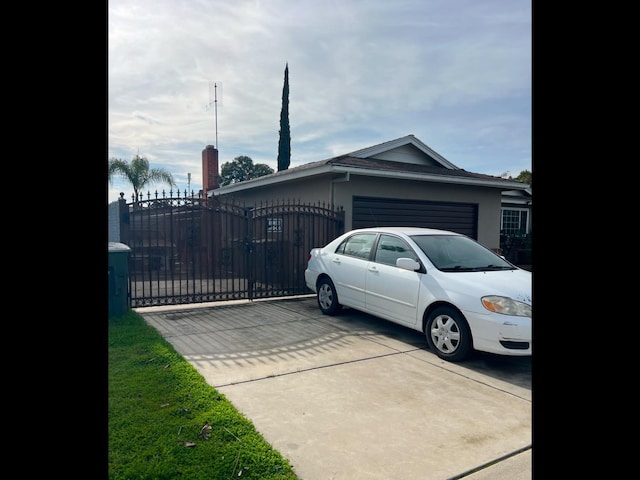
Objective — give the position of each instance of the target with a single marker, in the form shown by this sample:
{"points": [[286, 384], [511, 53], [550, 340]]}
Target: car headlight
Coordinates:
{"points": [[506, 306]]}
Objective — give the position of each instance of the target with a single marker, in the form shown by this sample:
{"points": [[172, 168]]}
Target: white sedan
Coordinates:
{"points": [[460, 294]]}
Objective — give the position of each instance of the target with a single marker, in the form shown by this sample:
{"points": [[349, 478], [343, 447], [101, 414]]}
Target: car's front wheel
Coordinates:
{"points": [[327, 297], [448, 334]]}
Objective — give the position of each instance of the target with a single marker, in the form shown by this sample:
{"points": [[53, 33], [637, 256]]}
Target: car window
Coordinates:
{"points": [[390, 249], [459, 253], [358, 245]]}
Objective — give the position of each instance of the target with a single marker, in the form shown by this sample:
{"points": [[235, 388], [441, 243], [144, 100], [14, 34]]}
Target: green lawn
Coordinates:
{"points": [[166, 422]]}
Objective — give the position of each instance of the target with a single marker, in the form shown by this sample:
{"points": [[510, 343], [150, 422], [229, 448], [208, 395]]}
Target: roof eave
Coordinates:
{"points": [[271, 180], [444, 178], [328, 168], [519, 201]]}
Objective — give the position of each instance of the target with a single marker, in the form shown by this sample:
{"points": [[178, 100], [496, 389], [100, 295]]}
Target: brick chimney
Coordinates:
{"points": [[210, 175]]}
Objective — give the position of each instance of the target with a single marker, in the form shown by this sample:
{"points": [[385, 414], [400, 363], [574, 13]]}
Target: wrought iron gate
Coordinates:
{"points": [[191, 249]]}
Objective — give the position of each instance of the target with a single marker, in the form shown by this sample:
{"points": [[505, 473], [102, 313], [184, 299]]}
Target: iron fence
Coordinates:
{"points": [[187, 249]]}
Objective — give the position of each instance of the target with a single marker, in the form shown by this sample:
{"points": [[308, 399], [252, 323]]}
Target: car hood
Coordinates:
{"points": [[515, 284]]}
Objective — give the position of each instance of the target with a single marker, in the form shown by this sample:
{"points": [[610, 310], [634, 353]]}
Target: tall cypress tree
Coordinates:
{"points": [[284, 143]]}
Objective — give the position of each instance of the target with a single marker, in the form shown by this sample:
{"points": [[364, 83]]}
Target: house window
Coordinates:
{"points": [[514, 221]]}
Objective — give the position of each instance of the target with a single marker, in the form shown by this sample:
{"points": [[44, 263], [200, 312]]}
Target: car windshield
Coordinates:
{"points": [[456, 253]]}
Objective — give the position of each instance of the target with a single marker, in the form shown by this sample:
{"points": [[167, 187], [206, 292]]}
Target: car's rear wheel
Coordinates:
{"points": [[448, 334], [327, 297]]}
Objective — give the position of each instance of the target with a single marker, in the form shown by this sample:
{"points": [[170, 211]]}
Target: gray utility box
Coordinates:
{"points": [[118, 279]]}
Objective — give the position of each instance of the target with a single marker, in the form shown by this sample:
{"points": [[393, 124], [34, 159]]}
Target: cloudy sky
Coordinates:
{"points": [[454, 73]]}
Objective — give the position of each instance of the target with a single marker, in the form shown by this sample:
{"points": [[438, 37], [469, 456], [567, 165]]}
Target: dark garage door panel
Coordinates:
{"points": [[457, 217]]}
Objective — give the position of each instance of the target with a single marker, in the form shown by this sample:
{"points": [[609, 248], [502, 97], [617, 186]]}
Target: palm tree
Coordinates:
{"points": [[138, 173]]}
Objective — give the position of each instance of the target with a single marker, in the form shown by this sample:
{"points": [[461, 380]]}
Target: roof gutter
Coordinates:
{"points": [[325, 168], [272, 179], [498, 183]]}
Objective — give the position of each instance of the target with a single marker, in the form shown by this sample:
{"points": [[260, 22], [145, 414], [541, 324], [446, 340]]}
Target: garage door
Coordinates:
{"points": [[457, 217]]}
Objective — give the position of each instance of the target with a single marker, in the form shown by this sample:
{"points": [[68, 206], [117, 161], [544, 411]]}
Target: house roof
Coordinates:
{"points": [[403, 158], [517, 197]]}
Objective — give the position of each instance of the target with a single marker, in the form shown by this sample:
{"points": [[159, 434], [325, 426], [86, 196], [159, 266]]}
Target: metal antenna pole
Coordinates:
{"points": [[215, 105], [215, 86], [215, 109]]}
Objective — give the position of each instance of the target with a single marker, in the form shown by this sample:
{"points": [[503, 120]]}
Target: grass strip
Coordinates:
{"points": [[166, 422]]}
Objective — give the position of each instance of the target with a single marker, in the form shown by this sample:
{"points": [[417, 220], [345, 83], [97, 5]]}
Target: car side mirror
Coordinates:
{"points": [[407, 264]]}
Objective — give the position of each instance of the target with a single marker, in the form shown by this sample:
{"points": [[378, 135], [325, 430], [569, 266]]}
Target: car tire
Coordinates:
{"points": [[327, 297], [448, 334]]}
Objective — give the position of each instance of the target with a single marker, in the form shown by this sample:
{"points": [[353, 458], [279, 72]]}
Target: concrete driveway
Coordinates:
{"points": [[355, 397]]}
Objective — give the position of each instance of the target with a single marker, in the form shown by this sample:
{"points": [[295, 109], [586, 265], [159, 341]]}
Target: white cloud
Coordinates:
{"points": [[455, 73]]}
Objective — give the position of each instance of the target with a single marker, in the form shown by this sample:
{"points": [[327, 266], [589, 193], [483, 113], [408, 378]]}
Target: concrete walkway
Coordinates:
{"points": [[355, 397]]}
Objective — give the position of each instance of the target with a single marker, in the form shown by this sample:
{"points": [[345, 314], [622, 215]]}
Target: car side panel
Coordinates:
{"points": [[348, 275], [392, 293]]}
